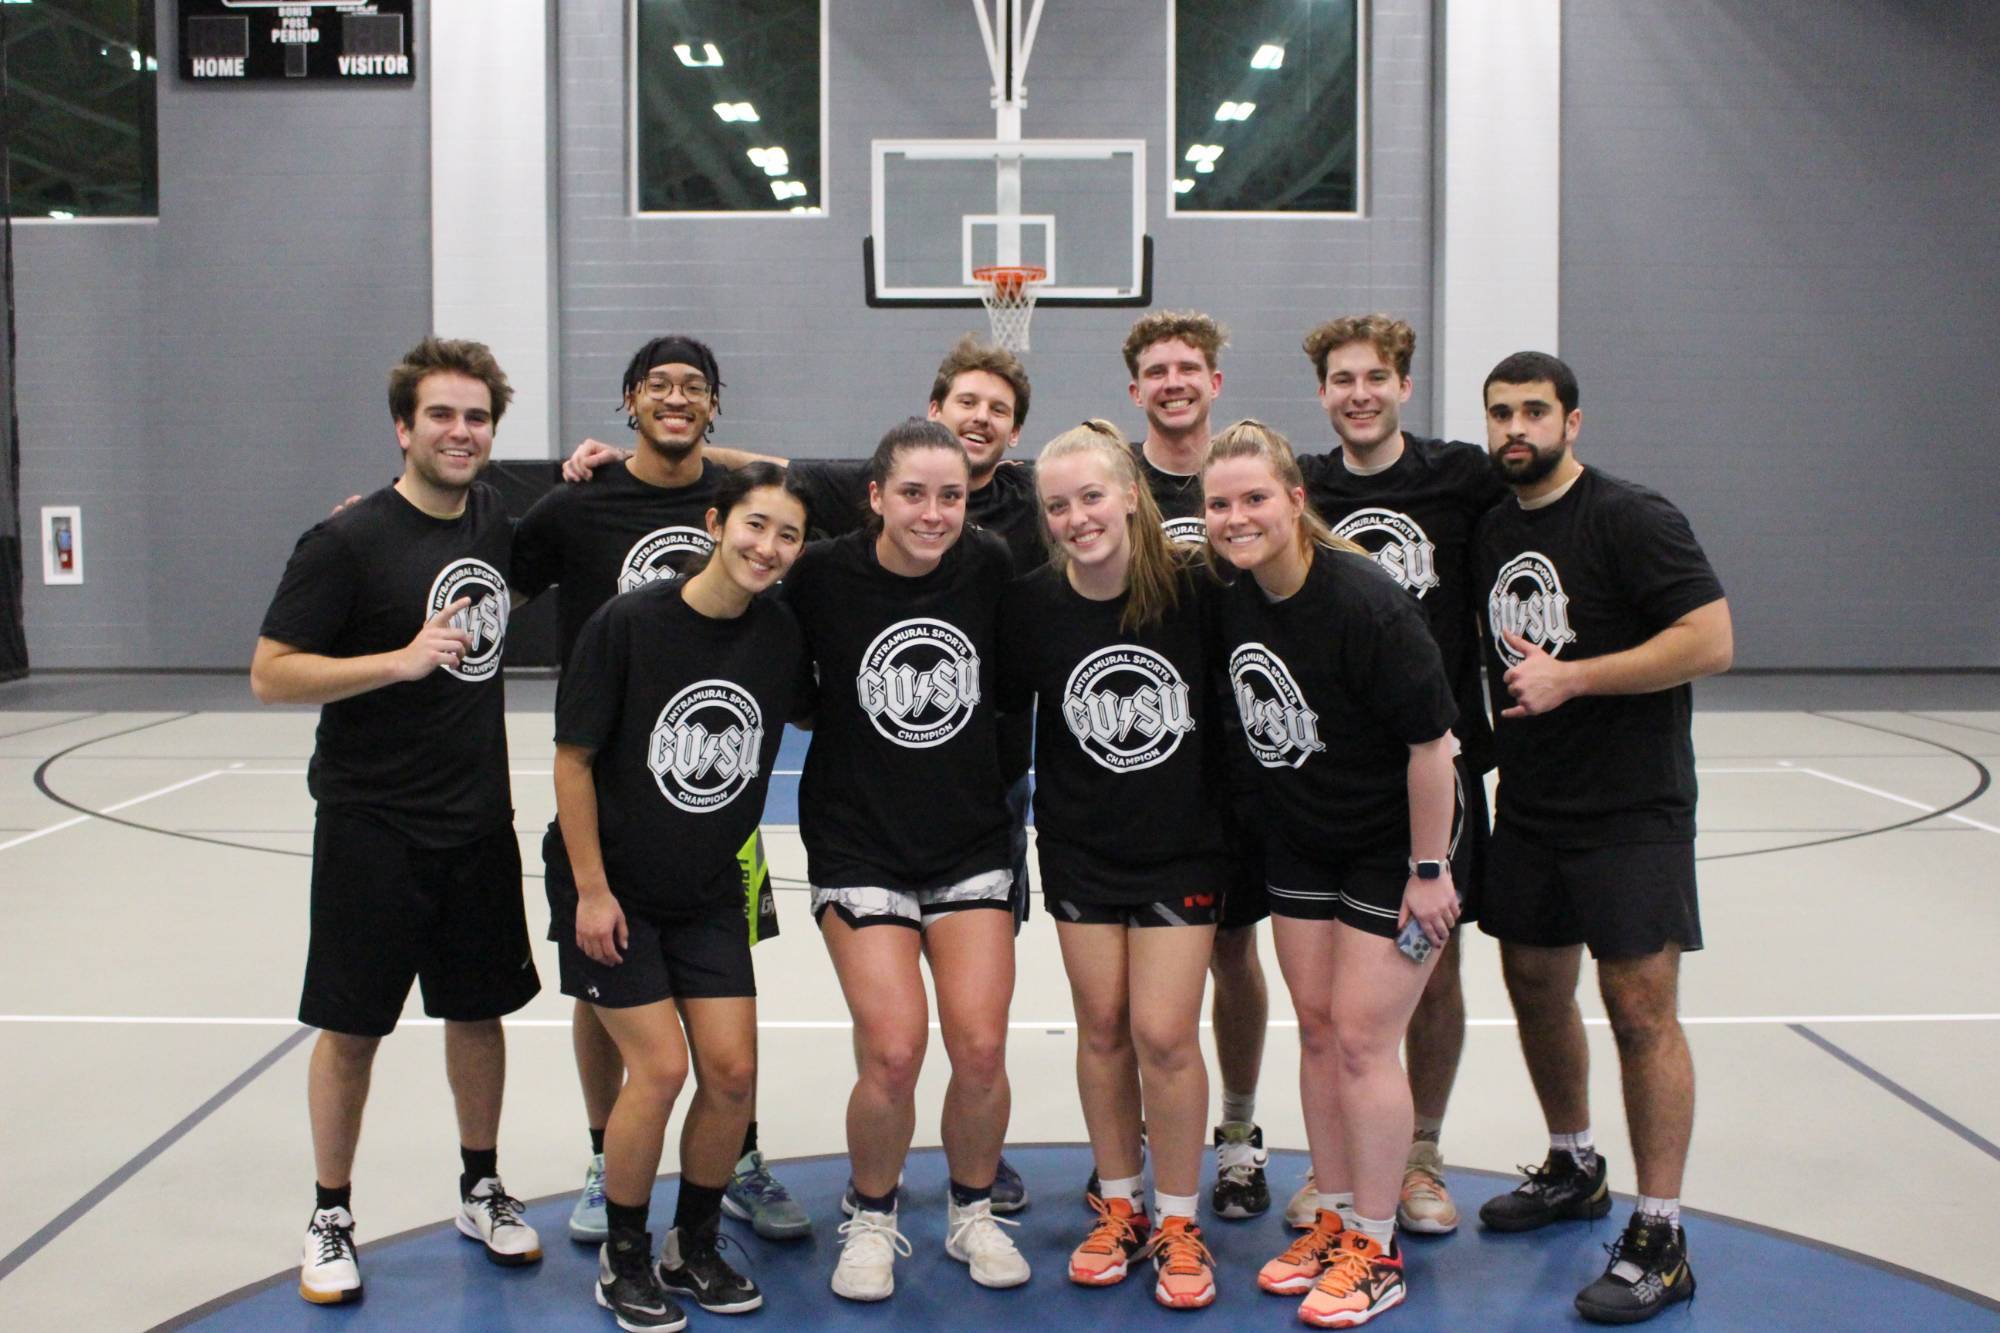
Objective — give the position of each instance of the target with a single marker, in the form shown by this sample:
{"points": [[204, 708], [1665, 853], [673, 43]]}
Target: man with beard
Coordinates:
{"points": [[638, 522], [1413, 503], [415, 874], [1601, 610]]}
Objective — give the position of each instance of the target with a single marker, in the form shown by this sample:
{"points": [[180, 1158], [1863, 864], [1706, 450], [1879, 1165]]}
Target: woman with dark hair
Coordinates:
{"points": [[668, 718], [1347, 712], [904, 818]]}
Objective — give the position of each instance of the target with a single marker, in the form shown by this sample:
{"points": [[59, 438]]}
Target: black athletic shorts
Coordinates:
{"points": [[1624, 901], [701, 954], [1364, 890], [1468, 858], [1190, 909], [1245, 901], [385, 913]]}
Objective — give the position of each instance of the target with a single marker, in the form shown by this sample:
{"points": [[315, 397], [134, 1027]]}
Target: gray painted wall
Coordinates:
{"points": [[812, 371], [1780, 270], [207, 385]]}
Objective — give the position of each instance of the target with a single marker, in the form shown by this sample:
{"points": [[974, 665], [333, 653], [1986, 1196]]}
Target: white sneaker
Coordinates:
{"points": [[972, 1235], [867, 1267], [492, 1216], [1304, 1207], [328, 1272]]}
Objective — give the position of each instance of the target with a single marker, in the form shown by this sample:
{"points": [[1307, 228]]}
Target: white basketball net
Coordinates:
{"points": [[1009, 298]]}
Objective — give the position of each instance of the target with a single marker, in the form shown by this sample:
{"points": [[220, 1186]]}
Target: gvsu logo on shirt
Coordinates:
{"points": [[485, 620], [666, 553], [1397, 544], [919, 682], [1127, 707], [1528, 600], [1282, 731], [1185, 531], [705, 744]]}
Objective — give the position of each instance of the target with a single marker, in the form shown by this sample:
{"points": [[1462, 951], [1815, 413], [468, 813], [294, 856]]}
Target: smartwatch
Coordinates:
{"points": [[1427, 869]]}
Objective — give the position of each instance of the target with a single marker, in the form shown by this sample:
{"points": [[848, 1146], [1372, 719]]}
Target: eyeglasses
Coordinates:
{"points": [[660, 387]]}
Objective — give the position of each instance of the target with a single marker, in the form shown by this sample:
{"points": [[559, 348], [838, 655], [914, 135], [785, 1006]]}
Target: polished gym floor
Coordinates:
{"points": [[155, 1168]]}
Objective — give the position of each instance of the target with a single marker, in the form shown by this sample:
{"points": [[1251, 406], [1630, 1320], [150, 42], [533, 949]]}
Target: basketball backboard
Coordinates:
{"points": [[944, 207]]}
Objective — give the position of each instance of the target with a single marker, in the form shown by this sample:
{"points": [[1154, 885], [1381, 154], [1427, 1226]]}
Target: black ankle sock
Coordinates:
{"points": [[869, 1203], [626, 1219], [964, 1195], [332, 1198], [749, 1140], [597, 1142], [479, 1163], [699, 1208]]}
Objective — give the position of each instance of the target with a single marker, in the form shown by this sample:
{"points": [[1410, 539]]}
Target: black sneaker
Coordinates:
{"points": [[628, 1287], [1240, 1190], [1648, 1272], [692, 1265], [1010, 1192], [1556, 1191]]}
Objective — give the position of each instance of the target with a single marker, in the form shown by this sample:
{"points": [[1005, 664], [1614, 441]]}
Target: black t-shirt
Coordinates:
{"points": [[1179, 499], [685, 713], [837, 504], [1601, 570], [609, 535], [1416, 517], [1124, 727], [902, 785], [1334, 684], [426, 758]]}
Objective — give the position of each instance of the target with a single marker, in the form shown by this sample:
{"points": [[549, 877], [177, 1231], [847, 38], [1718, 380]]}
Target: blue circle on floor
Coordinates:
{"points": [[1750, 1277]]}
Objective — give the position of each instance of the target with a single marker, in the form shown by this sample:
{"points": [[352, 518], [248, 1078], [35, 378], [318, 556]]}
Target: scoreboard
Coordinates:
{"points": [[244, 40]]}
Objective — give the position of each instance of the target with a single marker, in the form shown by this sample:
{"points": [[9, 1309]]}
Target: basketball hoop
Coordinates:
{"points": [[1008, 293]]}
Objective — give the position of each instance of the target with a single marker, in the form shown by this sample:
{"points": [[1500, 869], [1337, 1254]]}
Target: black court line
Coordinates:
{"points": [[69, 1216], [44, 726], [1897, 1090], [1953, 722], [1978, 790]]}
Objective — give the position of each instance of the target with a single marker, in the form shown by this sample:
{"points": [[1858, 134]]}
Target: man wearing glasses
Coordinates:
{"points": [[633, 523]]}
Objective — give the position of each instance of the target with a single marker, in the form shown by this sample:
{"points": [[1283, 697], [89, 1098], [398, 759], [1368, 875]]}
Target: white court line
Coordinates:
{"points": [[107, 810], [1026, 1025], [1891, 796]]}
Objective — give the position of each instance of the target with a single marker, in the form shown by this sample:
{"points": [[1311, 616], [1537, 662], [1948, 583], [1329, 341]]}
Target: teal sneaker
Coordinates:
{"points": [[754, 1195], [587, 1223]]}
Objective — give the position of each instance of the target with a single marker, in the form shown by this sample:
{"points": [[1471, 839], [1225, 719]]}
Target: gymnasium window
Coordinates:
{"points": [[1267, 106], [81, 136], [728, 107]]}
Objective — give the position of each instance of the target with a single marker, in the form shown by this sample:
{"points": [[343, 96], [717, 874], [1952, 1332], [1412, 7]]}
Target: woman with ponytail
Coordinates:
{"points": [[1111, 636], [1347, 714]]}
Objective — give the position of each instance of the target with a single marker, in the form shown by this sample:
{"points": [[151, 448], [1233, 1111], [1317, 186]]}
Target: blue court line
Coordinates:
{"points": [[69, 1216], [1897, 1090]]}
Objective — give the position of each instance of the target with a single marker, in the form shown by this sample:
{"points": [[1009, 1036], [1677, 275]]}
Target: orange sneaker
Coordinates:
{"points": [[1299, 1266], [1184, 1269], [1361, 1281], [1120, 1234]]}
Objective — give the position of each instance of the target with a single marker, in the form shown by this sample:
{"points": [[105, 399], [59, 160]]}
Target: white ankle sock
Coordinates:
{"points": [[1239, 1106], [1665, 1210], [1382, 1231], [1174, 1205], [1580, 1147], [1129, 1189], [1342, 1203]]}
